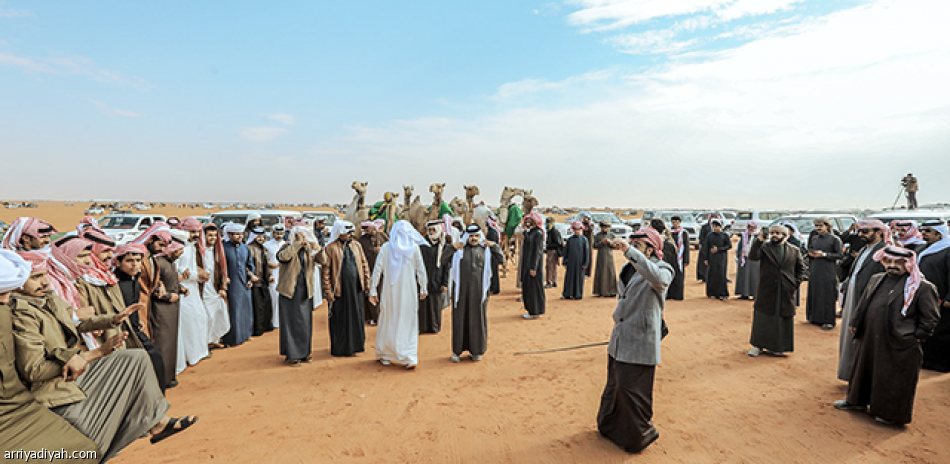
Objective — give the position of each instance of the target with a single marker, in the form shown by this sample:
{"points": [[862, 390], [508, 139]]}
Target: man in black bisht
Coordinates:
{"points": [[471, 277], [532, 267], [128, 259], [715, 254], [552, 252], [260, 283], [589, 235], [704, 231], [437, 258], [824, 251], [934, 262], [781, 271], [896, 313], [681, 239], [873, 232], [320, 231], [577, 261], [493, 235], [669, 250]]}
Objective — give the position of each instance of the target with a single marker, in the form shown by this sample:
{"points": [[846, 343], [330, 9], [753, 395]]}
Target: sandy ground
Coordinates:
{"points": [[713, 403]]}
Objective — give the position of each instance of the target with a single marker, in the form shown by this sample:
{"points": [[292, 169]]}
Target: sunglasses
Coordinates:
{"points": [[864, 231]]}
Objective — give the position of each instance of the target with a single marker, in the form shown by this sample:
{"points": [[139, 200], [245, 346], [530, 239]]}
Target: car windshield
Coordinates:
{"points": [[609, 217], [744, 216], [118, 222]]}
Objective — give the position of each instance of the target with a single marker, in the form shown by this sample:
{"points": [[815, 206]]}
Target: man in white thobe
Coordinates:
{"points": [[215, 295], [193, 318], [272, 246], [398, 277]]}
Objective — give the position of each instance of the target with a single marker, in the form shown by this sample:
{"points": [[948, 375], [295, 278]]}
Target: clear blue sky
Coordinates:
{"points": [[693, 103]]}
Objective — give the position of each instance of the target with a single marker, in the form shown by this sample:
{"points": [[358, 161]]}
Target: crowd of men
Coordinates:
{"points": [[98, 327]]}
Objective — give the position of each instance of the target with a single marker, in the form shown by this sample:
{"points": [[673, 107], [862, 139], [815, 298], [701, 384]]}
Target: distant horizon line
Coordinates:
{"points": [[610, 208]]}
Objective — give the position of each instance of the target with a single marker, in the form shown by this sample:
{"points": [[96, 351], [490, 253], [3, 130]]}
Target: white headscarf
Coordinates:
{"points": [[939, 245], [251, 217], [339, 227], [231, 228], [306, 231], [251, 235], [404, 240], [14, 271], [456, 266]]}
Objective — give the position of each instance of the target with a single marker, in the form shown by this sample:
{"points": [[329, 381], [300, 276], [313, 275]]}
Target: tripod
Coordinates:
{"points": [[899, 192]]}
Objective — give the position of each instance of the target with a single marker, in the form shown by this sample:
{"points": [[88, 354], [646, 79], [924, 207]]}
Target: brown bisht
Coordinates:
{"points": [[605, 274]]}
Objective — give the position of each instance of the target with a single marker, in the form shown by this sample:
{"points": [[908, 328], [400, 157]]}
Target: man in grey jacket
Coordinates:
{"points": [[626, 406]]}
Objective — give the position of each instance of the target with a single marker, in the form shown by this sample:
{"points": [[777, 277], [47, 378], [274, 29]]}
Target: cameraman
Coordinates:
{"points": [[909, 182]]}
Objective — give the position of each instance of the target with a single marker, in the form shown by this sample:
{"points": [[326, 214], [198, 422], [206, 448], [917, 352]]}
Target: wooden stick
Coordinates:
{"points": [[566, 348]]}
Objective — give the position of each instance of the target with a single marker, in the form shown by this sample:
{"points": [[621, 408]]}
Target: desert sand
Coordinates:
{"points": [[712, 402]]}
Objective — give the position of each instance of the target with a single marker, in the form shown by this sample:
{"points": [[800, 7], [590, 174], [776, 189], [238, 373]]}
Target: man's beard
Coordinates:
{"points": [[776, 240]]}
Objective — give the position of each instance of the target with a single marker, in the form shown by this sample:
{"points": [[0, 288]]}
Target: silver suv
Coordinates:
{"points": [[619, 229]]}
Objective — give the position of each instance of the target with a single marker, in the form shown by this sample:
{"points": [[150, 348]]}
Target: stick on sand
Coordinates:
{"points": [[566, 348]]}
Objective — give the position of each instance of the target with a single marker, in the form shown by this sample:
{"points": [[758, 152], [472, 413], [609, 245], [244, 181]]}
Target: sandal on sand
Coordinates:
{"points": [[170, 428]]}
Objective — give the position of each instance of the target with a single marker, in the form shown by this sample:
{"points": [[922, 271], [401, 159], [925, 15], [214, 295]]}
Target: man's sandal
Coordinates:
{"points": [[170, 429]]}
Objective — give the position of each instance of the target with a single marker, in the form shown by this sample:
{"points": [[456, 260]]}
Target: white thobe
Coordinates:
{"points": [[193, 318], [273, 246], [215, 306], [397, 333]]}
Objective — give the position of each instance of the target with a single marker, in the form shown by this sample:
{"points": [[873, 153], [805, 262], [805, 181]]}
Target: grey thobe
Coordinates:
{"points": [[122, 402]]}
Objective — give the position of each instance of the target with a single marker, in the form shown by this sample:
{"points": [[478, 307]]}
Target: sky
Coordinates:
{"points": [[646, 103]]}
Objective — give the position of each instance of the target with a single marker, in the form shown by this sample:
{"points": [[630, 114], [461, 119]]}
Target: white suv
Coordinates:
{"points": [[124, 227]]}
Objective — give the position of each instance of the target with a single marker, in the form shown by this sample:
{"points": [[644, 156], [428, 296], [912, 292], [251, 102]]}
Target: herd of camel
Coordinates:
{"points": [[419, 214]]}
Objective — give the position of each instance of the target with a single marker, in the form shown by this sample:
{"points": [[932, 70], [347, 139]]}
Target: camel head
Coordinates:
{"points": [[510, 192], [407, 191], [471, 191], [359, 187], [529, 203], [437, 190]]}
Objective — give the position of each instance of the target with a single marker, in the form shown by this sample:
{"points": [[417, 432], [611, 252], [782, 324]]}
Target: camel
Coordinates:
{"points": [[511, 248], [387, 209], [460, 208], [470, 192], [476, 214], [357, 212], [436, 209], [530, 202], [415, 212]]}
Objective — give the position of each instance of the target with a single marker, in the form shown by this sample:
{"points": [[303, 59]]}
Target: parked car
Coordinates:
{"points": [[618, 227], [634, 223], [806, 222], [124, 227], [94, 211], [761, 217], [141, 207], [565, 231], [268, 217], [919, 215], [330, 217], [687, 221]]}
